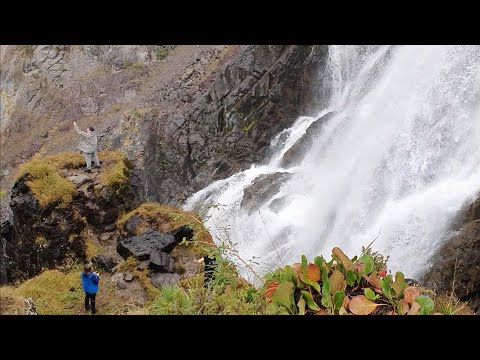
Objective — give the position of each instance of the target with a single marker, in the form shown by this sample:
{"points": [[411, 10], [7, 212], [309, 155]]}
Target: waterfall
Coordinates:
{"points": [[398, 159]]}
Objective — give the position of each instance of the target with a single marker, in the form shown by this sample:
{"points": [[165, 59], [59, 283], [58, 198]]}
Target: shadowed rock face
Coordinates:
{"points": [[456, 264], [259, 93]]}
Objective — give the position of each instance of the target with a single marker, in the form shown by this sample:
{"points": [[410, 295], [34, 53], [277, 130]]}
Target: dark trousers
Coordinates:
{"points": [[90, 302], [207, 277]]}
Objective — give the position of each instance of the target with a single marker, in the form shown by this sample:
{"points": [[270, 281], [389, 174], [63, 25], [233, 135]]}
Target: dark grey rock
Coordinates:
{"points": [[162, 279], [161, 262], [263, 188], [297, 151], [456, 264], [104, 262], [141, 246]]}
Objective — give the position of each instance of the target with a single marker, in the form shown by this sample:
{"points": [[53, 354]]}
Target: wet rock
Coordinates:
{"points": [[263, 188], [297, 151]]}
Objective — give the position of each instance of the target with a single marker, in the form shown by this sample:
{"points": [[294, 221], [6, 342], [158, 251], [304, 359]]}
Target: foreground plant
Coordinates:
{"points": [[343, 286]]}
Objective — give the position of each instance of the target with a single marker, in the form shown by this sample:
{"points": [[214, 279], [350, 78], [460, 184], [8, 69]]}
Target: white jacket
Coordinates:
{"points": [[88, 142]]}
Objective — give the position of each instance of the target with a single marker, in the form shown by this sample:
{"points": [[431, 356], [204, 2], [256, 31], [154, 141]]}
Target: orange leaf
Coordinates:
{"points": [[344, 259], [313, 272], [360, 305], [346, 301], [271, 287], [414, 309], [373, 280], [322, 312], [411, 293]]}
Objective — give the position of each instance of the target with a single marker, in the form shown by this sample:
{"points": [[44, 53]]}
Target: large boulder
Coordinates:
{"points": [[263, 188], [456, 264], [141, 246]]}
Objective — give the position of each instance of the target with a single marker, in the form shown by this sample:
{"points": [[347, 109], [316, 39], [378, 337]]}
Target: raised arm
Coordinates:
{"points": [[79, 132]]}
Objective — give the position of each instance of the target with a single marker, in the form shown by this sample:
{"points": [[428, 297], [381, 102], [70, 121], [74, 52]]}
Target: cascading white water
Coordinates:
{"points": [[400, 157]]}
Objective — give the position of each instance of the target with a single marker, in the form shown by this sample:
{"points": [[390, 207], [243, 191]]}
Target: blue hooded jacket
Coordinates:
{"points": [[90, 282]]}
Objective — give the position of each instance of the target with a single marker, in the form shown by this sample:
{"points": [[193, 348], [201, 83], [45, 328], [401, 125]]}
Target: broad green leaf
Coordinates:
{"points": [[283, 295], [338, 299], [360, 305], [369, 264], [319, 260], [304, 262], [272, 309], [337, 282], [326, 298], [386, 287], [399, 284], [369, 294], [344, 259], [301, 306], [351, 277], [313, 272], [426, 304], [309, 300]]}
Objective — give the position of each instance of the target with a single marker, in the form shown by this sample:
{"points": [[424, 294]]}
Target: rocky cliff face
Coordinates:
{"points": [[42, 237], [456, 265], [185, 115]]}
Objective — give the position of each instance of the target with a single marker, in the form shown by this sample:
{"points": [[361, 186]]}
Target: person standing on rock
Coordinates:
{"points": [[88, 145], [210, 264], [90, 286]]}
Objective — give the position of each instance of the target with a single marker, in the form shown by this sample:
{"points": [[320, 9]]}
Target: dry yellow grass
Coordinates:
{"points": [[448, 304], [46, 183], [10, 302], [168, 218], [115, 172], [54, 292], [50, 186]]}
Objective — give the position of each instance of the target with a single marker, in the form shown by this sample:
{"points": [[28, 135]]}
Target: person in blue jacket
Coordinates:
{"points": [[90, 286]]}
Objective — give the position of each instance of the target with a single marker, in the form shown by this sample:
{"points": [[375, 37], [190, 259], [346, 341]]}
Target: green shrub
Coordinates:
{"points": [[161, 53]]}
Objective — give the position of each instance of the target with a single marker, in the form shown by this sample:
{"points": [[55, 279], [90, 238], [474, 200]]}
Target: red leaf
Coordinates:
{"points": [[313, 272], [382, 273], [271, 287]]}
